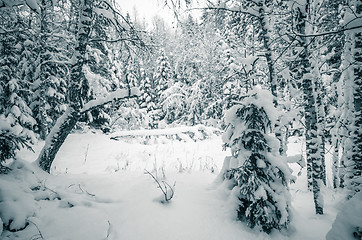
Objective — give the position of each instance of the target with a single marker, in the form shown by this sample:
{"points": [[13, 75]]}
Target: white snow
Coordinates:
{"points": [[98, 190], [348, 221], [118, 94]]}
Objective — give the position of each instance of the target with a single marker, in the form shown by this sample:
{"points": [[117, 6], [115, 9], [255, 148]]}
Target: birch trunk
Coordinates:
{"points": [[310, 114], [353, 163], [265, 33], [335, 159], [67, 122], [321, 126]]}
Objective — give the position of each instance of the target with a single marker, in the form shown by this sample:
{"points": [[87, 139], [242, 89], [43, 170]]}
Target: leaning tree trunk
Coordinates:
{"points": [[56, 138], [310, 114], [67, 122]]}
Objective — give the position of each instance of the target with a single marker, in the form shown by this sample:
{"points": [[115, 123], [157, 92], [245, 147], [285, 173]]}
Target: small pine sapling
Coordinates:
{"points": [[256, 168]]}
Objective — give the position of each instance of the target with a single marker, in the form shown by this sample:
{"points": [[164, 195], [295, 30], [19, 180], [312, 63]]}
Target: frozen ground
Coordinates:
{"points": [[98, 190]]}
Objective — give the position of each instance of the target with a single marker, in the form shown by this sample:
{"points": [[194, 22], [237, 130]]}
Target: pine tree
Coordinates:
{"points": [[16, 118], [49, 83], [173, 102], [260, 174], [162, 80], [147, 98]]}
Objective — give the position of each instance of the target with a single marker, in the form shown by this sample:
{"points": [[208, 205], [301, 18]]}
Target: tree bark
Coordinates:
{"points": [[310, 114], [321, 126], [354, 163], [335, 159], [56, 138], [76, 92]]}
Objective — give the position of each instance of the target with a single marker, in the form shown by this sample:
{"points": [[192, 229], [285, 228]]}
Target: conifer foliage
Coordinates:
{"points": [[259, 173]]}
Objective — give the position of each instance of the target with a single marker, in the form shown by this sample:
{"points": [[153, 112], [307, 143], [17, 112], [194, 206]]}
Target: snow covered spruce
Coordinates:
{"points": [[258, 173]]}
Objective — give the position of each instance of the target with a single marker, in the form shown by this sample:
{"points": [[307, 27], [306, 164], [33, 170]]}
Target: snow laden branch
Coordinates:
{"points": [[68, 120], [252, 13], [116, 95]]}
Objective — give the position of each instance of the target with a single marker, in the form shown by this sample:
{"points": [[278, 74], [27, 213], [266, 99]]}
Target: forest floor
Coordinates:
{"points": [[103, 193]]}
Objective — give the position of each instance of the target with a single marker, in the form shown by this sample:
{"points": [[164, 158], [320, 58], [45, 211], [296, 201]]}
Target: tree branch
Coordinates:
{"points": [[116, 95], [112, 40], [227, 10], [327, 33]]}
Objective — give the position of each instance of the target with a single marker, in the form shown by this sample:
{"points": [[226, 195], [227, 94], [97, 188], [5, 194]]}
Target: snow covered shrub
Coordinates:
{"points": [[129, 118], [17, 195], [256, 167], [11, 140]]}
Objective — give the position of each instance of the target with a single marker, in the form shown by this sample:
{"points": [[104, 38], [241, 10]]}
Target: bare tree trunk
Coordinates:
{"points": [[310, 114], [353, 162], [335, 159], [312, 150], [321, 126], [56, 138], [265, 33]]}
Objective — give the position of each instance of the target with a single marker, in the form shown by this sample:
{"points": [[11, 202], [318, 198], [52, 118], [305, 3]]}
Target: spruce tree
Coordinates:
{"points": [[162, 81], [16, 121], [259, 173]]}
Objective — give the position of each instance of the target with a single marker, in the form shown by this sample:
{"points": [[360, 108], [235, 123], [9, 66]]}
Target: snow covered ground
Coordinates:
{"points": [[99, 190]]}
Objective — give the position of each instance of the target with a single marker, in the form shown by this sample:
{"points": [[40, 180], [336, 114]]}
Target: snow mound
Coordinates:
{"points": [[348, 223], [17, 198]]}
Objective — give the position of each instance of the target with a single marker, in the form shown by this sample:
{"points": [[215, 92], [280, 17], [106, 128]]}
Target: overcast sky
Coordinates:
{"points": [[149, 8], [146, 9]]}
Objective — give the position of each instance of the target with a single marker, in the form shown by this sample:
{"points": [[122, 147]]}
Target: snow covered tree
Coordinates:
{"points": [[77, 87], [353, 99], [307, 80], [162, 80], [259, 173], [147, 94], [49, 83], [146, 100], [16, 121], [173, 102], [193, 102]]}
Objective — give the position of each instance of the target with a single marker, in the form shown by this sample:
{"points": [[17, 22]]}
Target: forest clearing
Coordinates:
{"points": [[188, 119]]}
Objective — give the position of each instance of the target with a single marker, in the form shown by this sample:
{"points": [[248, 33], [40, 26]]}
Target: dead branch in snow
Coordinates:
{"points": [[166, 188]]}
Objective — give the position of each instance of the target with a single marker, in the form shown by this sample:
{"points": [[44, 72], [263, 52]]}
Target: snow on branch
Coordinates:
{"points": [[250, 12], [32, 4], [116, 95]]}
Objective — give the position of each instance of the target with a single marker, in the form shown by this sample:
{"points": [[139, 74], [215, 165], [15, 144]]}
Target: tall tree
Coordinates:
{"points": [[353, 94], [16, 117], [77, 93], [310, 112]]}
